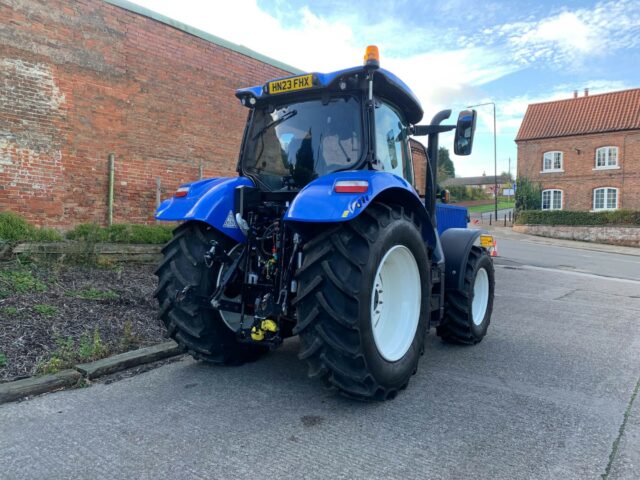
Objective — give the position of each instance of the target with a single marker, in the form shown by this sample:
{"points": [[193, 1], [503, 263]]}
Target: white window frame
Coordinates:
{"points": [[606, 153], [552, 194], [552, 155], [605, 197]]}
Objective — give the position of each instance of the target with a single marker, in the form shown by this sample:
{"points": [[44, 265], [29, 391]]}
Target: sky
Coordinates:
{"points": [[452, 53]]}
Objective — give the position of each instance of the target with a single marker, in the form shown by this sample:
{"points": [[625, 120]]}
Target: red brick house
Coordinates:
{"points": [[585, 151]]}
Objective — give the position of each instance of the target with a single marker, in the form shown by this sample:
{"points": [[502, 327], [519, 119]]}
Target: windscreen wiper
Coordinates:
{"points": [[278, 121]]}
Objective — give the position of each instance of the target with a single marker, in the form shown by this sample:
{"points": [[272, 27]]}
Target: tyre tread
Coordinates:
{"points": [[329, 341]]}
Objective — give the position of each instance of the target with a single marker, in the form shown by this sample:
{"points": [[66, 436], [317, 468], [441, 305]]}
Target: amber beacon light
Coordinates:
{"points": [[372, 56]]}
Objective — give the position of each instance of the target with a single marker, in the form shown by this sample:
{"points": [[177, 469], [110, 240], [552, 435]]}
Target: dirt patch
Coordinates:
{"points": [[52, 315]]}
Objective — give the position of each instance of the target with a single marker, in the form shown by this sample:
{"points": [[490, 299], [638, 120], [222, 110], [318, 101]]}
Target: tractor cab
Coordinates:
{"points": [[303, 127]]}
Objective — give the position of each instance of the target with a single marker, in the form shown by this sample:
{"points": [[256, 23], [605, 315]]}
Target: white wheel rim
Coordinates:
{"points": [[232, 319], [395, 303], [480, 296]]}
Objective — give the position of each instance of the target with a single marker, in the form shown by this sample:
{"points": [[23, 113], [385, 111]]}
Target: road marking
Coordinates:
{"points": [[568, 272]]}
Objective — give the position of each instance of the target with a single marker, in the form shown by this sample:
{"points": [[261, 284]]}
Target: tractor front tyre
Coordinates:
{"points": [[468, 311], [363, 303], [196, 327]]}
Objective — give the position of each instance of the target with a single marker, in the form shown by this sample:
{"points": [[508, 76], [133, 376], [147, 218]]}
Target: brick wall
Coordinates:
{"points": [[579, 178], [625, 236], [82, 78], [418, 154]]}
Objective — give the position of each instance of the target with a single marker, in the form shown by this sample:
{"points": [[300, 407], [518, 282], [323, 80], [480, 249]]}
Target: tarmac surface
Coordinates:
{"points": [[549, 393]]}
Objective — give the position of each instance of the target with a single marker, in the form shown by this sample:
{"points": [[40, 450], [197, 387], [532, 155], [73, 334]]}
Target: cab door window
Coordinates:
{"points": [[391, 135]]}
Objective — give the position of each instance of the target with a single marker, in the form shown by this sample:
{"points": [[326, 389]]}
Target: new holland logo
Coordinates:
{"points": [[230, 222]]}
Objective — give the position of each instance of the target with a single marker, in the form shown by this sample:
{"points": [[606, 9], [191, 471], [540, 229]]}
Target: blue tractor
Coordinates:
{"points": [[323, 235]]}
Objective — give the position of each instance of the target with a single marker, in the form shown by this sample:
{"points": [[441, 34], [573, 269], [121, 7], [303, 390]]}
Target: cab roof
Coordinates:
{"points": [[385, 84]]}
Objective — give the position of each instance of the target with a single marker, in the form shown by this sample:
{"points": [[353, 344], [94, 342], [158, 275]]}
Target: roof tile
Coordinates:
{"points": [[607, 112]]}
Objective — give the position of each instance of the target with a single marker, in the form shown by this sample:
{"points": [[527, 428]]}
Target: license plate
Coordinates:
{"points": [[291, 84], [486, 241]]}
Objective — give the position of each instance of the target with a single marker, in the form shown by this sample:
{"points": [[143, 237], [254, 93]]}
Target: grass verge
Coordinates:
{"points": [[490, 207]]}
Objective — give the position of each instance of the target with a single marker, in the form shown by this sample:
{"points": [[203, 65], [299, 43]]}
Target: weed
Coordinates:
{"points": [[93, 294], [91, 347], [62, 357], [67, 353], [3, 359], [47, 310], [129, 339], [53, 365], [19, 281], [9, 311]]}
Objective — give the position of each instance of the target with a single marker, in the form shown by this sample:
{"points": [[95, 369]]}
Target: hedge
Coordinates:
{"points": [[122, 233], [575, 218], [14, 228]]}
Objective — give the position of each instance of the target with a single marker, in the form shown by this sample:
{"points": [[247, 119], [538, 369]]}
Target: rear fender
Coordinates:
{"points": [[456, 245], [209, 201], [319, 203]]}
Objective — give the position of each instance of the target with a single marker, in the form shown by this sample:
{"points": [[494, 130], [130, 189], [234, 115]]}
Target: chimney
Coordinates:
{"points": [[586, 92], [575, 94]]}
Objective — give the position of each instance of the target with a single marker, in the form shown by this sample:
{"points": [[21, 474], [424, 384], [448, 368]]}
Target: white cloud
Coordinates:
{"points": [[570, 38], [566, 30]]}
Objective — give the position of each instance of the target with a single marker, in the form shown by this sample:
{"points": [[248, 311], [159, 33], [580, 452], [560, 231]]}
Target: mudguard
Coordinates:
{"points": [[319, 203], [209, 201], [456, 245]]}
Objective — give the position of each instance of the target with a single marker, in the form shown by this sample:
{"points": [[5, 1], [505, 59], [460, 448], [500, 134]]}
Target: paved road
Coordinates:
{"points": [[544, 396], [518, 249]]}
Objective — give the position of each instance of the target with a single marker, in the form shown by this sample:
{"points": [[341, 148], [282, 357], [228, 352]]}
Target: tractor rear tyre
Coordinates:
{"points": [[468, 311], [196, 328], [363, 303]]}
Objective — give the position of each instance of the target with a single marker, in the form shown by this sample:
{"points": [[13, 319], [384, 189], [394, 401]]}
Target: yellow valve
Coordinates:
{"points": [[257, 334], [269, 326]]}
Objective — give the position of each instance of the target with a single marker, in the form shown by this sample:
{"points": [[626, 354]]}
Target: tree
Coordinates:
{"points": [[507, 175], [445, 165]]}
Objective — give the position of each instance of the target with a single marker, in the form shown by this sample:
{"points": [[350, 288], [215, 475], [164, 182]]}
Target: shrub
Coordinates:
{"points": [[460, 193], [567, 217], [14, 228], [528, 195], [121, 233]]}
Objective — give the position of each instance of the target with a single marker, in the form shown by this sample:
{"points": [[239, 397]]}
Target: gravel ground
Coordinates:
{"points": [[33, 323]]}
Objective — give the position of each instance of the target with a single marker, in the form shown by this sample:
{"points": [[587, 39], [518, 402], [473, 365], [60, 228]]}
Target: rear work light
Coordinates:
{"points": [[181, 192], [351, 186]]}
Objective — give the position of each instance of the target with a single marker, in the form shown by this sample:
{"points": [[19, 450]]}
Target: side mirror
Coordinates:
{"points": [[465, 129]]}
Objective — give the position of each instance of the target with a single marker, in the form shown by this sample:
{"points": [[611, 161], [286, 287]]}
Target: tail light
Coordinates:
{"points": [[181, 192], [351, 186]]}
